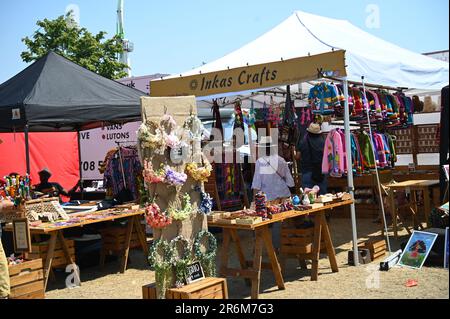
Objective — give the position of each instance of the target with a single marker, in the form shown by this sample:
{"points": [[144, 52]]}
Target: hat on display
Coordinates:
{"points": [[45, 171], [314, 128], [428, 104], [417, 104]]}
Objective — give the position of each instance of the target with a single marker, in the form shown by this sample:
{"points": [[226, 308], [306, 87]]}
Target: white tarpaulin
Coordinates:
{"points": [[379, 61]]}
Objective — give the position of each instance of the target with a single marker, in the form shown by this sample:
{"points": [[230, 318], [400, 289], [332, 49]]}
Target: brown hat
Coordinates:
{"points": [[314, 128], [45, 171]]}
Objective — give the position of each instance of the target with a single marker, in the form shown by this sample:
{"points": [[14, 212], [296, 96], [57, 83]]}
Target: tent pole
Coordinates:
{"points": [[351, 189], [80, 166], [27, 149]]}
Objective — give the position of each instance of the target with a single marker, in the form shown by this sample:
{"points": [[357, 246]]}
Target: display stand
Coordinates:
{"points": [[180, 108], [165, 196]]}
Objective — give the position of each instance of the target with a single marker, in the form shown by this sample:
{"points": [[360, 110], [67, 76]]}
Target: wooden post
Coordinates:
{"points": [[257, 258], [49, 259], [316, 247]]}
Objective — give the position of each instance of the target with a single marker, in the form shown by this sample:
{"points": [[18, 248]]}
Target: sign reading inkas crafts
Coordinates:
{"points": [[252, 77]]}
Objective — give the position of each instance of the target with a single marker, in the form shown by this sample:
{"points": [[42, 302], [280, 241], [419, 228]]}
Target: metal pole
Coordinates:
{"points": [[27, 149], [350, 171], [376, 167], [80, 166]]}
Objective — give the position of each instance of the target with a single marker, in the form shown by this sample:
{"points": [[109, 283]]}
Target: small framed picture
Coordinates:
{"points": [[21, 235], [445, 168], [446, 248], [417, 249]]}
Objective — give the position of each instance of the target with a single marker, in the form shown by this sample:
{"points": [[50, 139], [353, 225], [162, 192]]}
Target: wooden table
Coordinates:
{"points": [[413, 186], [251, 270], [56, 233]]}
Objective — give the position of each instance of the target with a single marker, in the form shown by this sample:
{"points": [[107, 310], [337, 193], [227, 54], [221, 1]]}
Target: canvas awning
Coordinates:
{"points": [[304, 35], [252, 77]]}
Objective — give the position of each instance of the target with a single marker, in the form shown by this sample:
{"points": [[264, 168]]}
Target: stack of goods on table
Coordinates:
{"points": [[14, 191], [80, 218], [265, 210]]}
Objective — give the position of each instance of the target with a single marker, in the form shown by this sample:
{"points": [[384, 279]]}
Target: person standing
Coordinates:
{"points": [[4, 273], [272, 177], [272, 174], [311, 154]]}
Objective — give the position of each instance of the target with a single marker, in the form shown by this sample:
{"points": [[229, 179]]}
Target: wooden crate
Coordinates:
{"points": [[39, 250], [113, 238], [149, 291], [27, 280], [8, 213], [208, 288], [376, 247], [296, 241]]}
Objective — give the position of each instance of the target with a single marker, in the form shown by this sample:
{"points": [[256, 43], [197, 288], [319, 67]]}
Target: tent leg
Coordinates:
{"points": [[351, 189], [80, 164], [27, 149]]}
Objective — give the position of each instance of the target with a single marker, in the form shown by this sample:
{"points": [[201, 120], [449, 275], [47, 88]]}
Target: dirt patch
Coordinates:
{"points": [[350, 282]]}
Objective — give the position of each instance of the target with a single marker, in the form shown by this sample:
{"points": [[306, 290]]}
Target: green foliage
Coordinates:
{"points": [[66, 38]]}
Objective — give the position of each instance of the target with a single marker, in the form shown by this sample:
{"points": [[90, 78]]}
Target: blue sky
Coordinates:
{"points": [[174, 35]]}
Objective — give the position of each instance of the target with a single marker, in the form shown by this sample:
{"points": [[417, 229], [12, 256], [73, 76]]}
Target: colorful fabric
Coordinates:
{"points": [[392, 150], [380, 154], [333, 155], [357, 163], [132, 168], [228, 181], [323, 98], [366, 150]]}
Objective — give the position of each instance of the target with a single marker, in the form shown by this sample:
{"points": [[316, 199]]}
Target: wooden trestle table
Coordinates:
{"points": [[56, 233], [251, 270]]}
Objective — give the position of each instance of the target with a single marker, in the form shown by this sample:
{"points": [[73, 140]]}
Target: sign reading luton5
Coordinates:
{"points": [[252, 77]]}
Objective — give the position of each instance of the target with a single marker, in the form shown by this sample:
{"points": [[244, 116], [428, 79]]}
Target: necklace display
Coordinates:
{"points": [[160, 260], [177, 152]]}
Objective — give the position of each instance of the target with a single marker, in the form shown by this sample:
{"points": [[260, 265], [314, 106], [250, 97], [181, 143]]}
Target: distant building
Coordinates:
{"points": [[141, 83], [439, 55]]}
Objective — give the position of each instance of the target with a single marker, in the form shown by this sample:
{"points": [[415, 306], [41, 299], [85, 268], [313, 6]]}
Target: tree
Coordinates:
{"points": [[77, 44]]}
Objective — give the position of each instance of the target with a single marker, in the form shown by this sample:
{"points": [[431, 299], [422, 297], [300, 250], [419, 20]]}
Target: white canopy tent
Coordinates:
{"points": [[301, 35], [379, 61]]}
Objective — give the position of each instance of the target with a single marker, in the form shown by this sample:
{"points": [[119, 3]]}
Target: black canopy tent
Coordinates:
{"points": [[56, 95]]}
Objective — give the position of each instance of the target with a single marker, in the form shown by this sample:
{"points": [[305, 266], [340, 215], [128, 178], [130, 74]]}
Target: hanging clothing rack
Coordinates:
{"points": [[375, 86]]}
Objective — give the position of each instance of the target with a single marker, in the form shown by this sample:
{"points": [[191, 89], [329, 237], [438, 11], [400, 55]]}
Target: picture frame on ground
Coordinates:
{"points": [[417, 249], [446, 248]]}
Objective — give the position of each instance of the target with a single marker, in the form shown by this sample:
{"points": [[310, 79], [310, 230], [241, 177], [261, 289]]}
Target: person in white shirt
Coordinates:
{"points": [[272, 174], [273, 177]]}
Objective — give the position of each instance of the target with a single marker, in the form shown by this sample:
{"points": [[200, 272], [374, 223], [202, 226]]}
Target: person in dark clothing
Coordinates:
{"points": [[311, 154], [46, 187]]}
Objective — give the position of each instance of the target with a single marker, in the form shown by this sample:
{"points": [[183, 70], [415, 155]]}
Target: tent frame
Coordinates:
{"points": [[350, 183]]}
